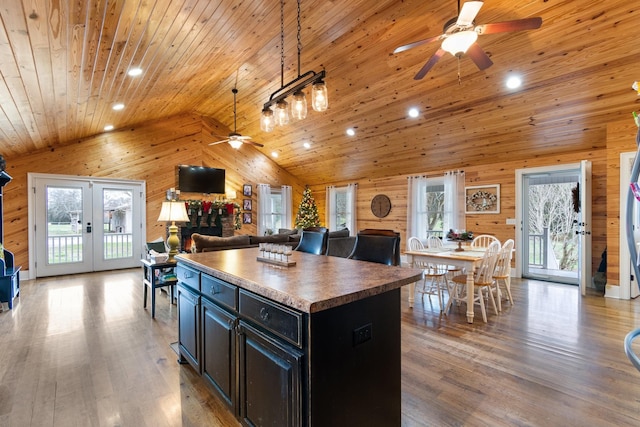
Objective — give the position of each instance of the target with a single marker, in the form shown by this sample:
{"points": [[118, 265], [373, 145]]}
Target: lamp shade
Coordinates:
{"points": [[173, 211], [299, 105], [458, 43], [267, 120], [282, 113], [319, 97]]}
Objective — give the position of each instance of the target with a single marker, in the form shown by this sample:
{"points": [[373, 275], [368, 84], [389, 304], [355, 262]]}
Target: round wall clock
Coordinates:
{"points": [[381, 205]]}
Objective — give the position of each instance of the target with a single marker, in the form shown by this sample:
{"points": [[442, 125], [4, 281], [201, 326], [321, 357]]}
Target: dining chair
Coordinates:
{"points": [[434, 280], [482, 281], [502, 274], [381, 246], [436, 242], [313, 240], [483, 241]]}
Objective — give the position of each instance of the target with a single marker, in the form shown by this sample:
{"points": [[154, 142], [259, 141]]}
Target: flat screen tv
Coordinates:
{"points": [[200, 179]]}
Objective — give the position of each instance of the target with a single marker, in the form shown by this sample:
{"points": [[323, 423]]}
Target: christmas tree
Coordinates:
{"points": [[307, 215]]}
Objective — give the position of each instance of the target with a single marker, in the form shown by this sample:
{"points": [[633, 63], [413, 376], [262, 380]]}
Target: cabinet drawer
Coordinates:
{"points": [[220, 291], [280, 320], [188, 276]]}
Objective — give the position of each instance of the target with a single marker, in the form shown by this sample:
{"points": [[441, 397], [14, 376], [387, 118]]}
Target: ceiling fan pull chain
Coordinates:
{"points": [[459, 78]]}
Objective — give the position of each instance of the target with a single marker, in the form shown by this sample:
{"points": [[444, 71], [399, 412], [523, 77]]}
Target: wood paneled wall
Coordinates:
{"points": [[500, 173], [149, 152], [621, 138]]}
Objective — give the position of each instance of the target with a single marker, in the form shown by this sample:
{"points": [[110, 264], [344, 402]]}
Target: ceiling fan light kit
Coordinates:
{"points": [[319, 97], [234, 139], [461, 33]]}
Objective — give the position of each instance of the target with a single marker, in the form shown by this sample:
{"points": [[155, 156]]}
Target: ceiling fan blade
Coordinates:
{"points": [[479, 56], [430, 63], [243, 137], [507, 26], [219, 142], [468, 13], [416, 44], [253, 143]]}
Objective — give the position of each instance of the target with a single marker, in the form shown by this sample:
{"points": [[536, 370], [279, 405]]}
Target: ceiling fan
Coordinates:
{"points": [[460, 35], [235, 139]]}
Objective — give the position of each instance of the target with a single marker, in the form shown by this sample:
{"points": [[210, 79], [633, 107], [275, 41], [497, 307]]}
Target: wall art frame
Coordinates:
{"points": [[482, 199]]}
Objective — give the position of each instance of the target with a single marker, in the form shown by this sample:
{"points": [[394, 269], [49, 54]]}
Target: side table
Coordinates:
{"points": [[154, 276]]}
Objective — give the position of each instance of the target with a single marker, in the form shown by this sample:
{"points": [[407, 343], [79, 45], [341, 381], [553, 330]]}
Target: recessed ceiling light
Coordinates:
{"points": [[274, 154], [306, 145], [108, 128], [351, 131], [414, 112], [118, 106], [135, 72], [514, 82]]}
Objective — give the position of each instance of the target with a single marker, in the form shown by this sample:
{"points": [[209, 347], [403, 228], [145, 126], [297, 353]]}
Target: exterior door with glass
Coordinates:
{"points": [[84, 224]]}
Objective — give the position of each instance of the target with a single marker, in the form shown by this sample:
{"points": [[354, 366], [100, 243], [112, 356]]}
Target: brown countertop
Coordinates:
{"points": [[314, 284]]}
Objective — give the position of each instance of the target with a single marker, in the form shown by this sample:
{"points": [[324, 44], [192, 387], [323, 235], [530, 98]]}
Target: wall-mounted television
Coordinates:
{"points": [[200, 179]]}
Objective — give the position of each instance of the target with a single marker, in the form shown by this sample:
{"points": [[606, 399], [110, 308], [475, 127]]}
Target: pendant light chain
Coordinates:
{"points": [[299, 38], [281, 43]]}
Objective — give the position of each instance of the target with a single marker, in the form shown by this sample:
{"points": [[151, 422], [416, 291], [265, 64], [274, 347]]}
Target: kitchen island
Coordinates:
{"points": [[315, 344]]}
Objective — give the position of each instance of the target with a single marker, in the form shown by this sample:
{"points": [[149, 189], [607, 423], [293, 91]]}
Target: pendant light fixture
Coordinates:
{"points": [[319, 97]]}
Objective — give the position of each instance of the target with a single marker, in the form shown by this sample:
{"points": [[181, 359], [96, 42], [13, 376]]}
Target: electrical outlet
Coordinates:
{"points": [[362, 334]]}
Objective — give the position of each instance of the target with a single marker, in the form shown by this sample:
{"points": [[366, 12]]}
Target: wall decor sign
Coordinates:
{"points": [[482, 199], [246, 190]]}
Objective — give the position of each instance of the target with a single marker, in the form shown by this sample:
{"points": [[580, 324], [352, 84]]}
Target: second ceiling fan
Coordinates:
{"points": [[235, 139], [460, 35]]}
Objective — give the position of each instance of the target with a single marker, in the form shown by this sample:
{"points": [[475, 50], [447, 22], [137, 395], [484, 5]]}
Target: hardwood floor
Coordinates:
{"points": [[81, 351]]}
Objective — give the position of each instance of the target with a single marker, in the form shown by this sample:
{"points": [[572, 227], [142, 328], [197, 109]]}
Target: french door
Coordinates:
{"points": [[554, 212], [84, 224]]}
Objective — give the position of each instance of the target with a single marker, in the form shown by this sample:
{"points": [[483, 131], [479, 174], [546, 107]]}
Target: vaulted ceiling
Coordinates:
{"points": [[64, 65]]}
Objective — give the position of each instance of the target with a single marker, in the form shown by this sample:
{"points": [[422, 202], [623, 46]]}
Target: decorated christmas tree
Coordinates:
{"points": [[307, 215]]}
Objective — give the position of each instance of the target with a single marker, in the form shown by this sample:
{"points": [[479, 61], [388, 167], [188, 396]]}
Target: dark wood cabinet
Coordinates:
{"points": [[271, 380], [189, 326], [219, 350]]}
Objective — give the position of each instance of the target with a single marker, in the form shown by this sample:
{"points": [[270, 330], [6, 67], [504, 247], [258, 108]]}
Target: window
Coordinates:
{"points": [[435, 205], [341, 207], [276, 212], [434, 209]]}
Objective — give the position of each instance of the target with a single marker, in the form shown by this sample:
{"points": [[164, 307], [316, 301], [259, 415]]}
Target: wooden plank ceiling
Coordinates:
{"points": [[64, 65]]}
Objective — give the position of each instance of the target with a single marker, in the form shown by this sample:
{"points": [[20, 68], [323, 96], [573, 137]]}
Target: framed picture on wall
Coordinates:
{"points": [[482, 199], [246, 204], [246, 190], [246, 218]]}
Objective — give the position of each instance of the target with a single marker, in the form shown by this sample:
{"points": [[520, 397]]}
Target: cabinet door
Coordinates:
{"points": [[189, 326], [270, 380], [219, 350]]}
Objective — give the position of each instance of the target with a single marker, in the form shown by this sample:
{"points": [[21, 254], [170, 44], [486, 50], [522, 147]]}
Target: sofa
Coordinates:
{"points": [[340, 243]]}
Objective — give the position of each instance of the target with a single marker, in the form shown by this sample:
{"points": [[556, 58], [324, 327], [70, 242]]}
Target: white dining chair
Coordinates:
{"points": [[434, 281], [482, 282], [436, 242], [483, 241], [502, 274]]}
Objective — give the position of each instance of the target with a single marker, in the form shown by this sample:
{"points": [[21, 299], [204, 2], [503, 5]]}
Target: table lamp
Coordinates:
{"points": [[173, 211]]}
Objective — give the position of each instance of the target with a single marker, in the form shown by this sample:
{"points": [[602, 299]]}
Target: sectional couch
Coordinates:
{"points": [[340, 243]]}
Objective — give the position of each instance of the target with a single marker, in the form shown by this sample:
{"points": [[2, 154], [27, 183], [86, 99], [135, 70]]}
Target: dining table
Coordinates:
{"points": [[467, 260]]}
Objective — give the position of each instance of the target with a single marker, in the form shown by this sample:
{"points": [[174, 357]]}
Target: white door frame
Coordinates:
{"points": [[585, 274], [31, 200]]}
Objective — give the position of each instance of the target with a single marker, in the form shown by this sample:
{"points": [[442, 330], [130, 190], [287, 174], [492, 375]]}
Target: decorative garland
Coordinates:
{"points": [[488, 200], [214, 210]]}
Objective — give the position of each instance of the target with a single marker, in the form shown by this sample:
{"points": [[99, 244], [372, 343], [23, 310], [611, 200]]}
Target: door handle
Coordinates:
{"points": [[88, 227]]}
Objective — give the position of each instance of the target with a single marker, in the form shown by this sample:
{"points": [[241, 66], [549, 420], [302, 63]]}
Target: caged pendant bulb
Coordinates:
{"points": [[319, 99], [267, 121], [282, 113], [299, 105]]}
